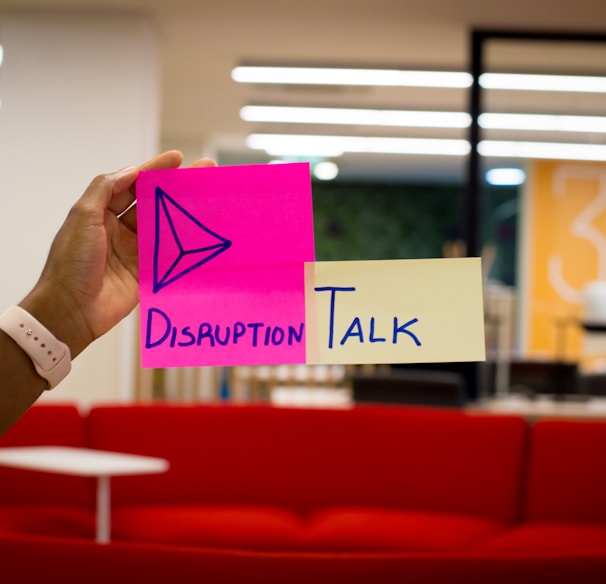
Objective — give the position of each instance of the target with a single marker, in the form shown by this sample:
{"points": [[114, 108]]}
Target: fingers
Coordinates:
{"points": [[168, 159], [203, 163], [121, 197], [171, 159], [123, 190]]}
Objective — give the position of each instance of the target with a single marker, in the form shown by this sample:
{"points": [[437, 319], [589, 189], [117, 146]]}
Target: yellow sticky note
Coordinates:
{"points": [[394, 311]]}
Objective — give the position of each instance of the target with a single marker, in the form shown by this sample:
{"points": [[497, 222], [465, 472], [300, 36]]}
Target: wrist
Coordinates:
{"points": [[51, 357], [63, 322]]}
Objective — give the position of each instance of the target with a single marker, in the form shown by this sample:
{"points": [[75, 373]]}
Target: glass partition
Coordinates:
{"points": [[538, 112]]}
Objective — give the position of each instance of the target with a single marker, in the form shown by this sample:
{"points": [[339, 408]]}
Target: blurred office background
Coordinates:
{"points": [[386, 123]]}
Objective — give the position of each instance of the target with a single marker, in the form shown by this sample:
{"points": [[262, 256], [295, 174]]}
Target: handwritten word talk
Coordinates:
{"points": [[356, 331]]}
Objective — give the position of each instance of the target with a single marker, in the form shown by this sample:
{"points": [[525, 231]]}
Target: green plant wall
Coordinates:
{"points": [[384, 221], [360, 221]]}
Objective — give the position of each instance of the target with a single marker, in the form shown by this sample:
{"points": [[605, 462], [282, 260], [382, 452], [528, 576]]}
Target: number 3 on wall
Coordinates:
{"points": [[582, 226]]}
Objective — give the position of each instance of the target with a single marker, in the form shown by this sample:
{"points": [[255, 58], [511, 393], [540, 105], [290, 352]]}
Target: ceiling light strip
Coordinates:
{"points": [[334, 146], [543, 122], [527, 82], [416, 78], [346, 76], [289, 144], [420, 119], [547, 150], [354, 117]]}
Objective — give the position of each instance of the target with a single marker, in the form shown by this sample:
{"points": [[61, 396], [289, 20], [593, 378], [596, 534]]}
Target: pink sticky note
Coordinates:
{"points": [[221, 264]]}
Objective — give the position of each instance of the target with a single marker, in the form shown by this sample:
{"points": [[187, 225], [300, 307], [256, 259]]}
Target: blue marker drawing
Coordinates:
{"points": [[179, 251], [356, 330], [333, 290]]}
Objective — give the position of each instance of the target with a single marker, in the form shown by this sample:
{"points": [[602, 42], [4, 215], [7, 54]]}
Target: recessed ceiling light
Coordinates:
{"points": [[326, 170], [505, 176]]}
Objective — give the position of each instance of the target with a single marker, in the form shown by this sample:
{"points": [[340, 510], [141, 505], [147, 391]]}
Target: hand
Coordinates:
{"points": [[90, 280]]}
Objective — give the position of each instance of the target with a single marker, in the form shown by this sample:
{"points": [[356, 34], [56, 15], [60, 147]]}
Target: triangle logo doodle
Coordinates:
{"points": [[182, 243]]}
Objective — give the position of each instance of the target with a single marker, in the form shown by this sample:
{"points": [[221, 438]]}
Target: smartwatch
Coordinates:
{"points": [[51, 357]]}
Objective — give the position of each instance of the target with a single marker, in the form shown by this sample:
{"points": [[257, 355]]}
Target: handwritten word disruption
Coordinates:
{"points": [[161, 331]]}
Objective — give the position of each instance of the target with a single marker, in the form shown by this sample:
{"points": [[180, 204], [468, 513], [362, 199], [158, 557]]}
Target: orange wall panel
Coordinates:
{"points": [[564, 249]]}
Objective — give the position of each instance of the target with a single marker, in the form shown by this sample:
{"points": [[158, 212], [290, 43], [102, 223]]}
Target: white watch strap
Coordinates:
{"points": [[51, 357]]}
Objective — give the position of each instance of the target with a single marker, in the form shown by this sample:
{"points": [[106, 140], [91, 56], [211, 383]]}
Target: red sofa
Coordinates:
{"points": [[375, 493]]}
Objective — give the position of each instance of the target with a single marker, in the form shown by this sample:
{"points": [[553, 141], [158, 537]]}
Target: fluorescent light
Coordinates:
{"points": [[543, 122], [293, 145], [505, 176], [420, 119], [352, 116], [412, 78], [333, 146], [346, 76], [1, 54], [550, 150], [326, 170], [526, 82]]}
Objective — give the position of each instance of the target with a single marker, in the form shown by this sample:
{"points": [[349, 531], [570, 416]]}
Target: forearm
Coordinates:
{"points": [[89, 283], [20, 383]]}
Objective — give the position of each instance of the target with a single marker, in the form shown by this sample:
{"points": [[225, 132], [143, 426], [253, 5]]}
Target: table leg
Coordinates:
{"points": [[103, 517]]}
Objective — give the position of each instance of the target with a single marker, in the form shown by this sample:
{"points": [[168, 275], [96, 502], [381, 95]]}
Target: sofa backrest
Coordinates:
{"points": [[567, 472], [45, 425], [370, 455]]}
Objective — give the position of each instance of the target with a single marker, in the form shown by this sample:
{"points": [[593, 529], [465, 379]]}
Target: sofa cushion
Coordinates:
{"points": [[388, 530], [243, 527], [57, 425], [552, 538], [271, 528], [567, 474], [397, 457]]}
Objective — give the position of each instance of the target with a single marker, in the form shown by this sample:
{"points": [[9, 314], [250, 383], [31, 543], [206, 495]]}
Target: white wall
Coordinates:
{"points": [[79, 96]]}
